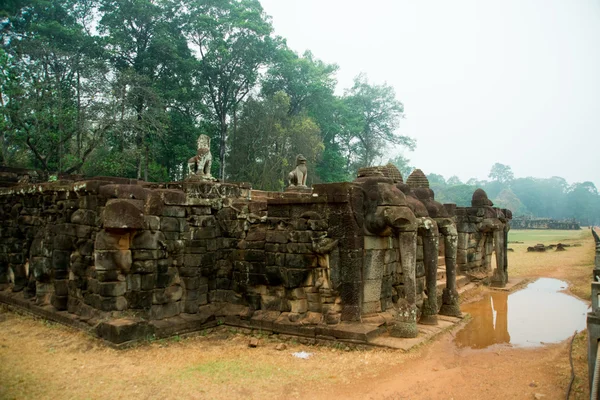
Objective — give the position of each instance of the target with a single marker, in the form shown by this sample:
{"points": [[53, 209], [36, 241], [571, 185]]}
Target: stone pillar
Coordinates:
{"points": [[406, 324], [450, 304], [430, 258], [499, 278]]}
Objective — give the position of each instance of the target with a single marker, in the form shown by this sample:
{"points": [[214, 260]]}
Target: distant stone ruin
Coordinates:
{"points": [[342, 261], [543, 223]]}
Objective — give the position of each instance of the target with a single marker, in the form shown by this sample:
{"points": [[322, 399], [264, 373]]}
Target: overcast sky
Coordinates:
{"points": [[511, 81]]}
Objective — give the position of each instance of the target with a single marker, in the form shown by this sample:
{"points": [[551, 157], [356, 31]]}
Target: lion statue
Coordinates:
{"points": [[298, 176], [199, 165]]}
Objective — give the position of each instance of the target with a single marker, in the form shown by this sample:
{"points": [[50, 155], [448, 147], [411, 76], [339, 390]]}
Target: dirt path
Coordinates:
{"points": [[46, 361]]}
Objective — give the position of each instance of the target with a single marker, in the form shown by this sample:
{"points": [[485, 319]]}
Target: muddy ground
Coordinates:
{"points": [[43, 360]]}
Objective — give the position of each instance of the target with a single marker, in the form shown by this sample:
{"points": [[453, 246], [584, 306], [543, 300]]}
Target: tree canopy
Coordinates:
{"points": [[106, 87]]}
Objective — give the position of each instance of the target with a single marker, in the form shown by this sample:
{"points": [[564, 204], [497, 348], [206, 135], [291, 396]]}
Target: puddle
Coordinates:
{"points": [[531, 317]]}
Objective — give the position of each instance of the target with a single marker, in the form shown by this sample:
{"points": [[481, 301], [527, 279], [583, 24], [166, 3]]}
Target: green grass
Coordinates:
{"points": [[239, 370], [546, 236]]}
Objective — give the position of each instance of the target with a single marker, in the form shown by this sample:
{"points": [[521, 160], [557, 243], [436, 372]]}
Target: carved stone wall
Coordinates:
{"points": [[130, 258]]}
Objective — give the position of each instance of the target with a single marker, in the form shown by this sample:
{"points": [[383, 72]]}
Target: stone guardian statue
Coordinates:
{"points": [[297, 177], [199, 165]]}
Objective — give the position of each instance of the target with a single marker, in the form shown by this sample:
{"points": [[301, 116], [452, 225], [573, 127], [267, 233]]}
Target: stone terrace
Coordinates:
{"points": [[343, 261]]}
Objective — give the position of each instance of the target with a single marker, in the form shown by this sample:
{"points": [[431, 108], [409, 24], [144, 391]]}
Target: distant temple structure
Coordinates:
{"points": [[523, 222]]}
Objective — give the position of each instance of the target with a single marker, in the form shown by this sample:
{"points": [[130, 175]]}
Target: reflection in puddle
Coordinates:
{"points": [[530, 317]]}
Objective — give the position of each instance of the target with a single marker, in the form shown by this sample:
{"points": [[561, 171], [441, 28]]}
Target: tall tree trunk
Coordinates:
{"points": [[79, 119], [223, 140], [3, 150], [146, 164]]}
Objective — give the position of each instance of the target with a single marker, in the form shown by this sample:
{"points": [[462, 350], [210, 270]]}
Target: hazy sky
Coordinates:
{"points": [[512, 81]]}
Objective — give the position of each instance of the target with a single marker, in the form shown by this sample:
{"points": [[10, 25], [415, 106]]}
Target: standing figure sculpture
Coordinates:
{"points": [[298, 176], [199, 165]]}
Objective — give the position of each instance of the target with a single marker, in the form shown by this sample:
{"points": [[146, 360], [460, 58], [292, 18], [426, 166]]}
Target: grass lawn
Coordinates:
{"points": [[546, 236], [574, 265]]}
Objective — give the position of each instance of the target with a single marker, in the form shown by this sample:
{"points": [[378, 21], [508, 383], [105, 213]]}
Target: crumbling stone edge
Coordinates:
{"points": [[125, 333]]}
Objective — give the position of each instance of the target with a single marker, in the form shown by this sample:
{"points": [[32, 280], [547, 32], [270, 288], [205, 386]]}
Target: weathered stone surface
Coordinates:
{"points": [[350, 252], [148, 240], [124, 330], [123, 214], [112, 260]]}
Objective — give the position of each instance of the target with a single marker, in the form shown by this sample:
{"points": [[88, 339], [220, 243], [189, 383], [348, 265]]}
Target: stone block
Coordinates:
{"points": [[420, 269], [298, 306], [277, 237], [255, 256], [174, 293], [111, 241], [61, 259], [148, 281], [84, 217], [152, 223], [374, 263], [371, 290], [144, 267], [133, 282], [61, 287], [123, 214], [124, 330], [148, 240], [191, 306], [108, 289], [349, 266], [39, 248], [377, 243], [256, 235], [209, 232], [109, 303], [350, 293], [191, 283], [106, 260], [41, 268], [59, 302], [174, 211], [294, 277], [317, 224], [62, 242], [297, 294], [139, 299], [299, 261], [170, 224], [85, 247]]}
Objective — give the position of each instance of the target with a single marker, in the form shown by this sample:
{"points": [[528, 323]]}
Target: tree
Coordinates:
{"points": [[583, 202], [151, 59], [310, 83], [373, 117], [232, 41], [52, 80], [401, 163], [454, 180], [507, 199], [267, 141], [501, 173]]}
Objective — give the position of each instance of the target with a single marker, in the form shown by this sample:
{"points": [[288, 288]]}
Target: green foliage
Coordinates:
{"points": [[507, 199], [405, 169], [373, 116], [267, 141], [501, 173], [232, 41], [125, 87]]}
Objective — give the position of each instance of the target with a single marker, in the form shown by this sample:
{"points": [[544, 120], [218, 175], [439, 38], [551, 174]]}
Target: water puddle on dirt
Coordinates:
{"points": [[531, 317]]}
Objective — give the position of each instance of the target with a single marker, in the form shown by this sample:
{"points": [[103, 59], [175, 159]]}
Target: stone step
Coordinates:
{"points": [[441, 274], [461, 281]]}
